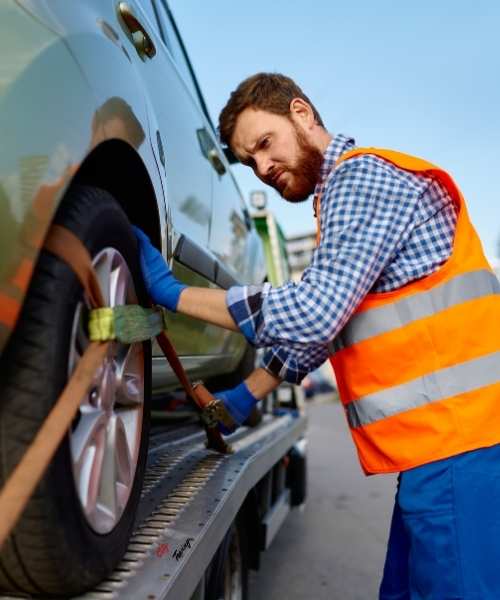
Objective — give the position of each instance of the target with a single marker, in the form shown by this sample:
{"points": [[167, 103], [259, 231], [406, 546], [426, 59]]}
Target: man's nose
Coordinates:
{"points": [[264, 166]]}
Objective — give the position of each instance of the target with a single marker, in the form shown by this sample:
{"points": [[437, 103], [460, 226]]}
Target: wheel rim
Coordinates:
{"points": [[233, 571], [106, 434]]}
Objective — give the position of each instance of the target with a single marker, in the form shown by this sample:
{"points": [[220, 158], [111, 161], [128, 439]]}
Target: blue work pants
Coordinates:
{"points": [[444, 542]]}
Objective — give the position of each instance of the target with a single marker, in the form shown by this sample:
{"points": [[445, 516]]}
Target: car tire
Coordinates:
{"points": [[63, 544]]}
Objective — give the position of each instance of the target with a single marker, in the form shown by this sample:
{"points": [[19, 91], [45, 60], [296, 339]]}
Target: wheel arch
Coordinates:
{"points": [[115, 167]]}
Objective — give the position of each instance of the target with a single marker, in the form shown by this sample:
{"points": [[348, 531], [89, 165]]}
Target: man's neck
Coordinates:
{"points": [[323, 140]]}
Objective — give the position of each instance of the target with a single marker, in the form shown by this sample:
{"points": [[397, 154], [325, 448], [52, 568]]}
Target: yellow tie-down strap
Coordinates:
{"points": [[127, 323]]}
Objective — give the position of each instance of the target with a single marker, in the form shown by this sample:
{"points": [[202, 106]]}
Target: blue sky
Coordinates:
{"points": [[423, 78]]}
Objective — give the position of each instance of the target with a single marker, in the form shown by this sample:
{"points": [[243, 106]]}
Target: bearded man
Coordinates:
{"points": [[401, 299]]}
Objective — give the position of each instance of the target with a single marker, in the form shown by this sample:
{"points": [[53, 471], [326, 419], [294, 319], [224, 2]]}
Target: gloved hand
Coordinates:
{"points": [[161, 285], [239, 402]]}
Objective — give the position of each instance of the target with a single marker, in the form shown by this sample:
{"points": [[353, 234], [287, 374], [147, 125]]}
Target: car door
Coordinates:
{"points": [[225, 247], [206, 350]]}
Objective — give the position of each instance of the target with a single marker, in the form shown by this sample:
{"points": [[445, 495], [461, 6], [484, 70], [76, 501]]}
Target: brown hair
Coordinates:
{"points": [[266, 91]]}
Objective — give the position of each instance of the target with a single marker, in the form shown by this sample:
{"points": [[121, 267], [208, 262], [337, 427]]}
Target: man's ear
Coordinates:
{"points": [[302, 112]]}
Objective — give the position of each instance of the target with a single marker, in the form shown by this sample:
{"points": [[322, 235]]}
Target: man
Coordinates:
{"points": [[401, 298]]}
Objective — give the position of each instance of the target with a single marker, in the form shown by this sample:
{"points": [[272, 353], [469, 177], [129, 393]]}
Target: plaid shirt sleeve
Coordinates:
{"points": [[367, 214], [292, 364]]}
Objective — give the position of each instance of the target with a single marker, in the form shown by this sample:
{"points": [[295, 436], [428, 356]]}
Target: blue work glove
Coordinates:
{"points": [[161, 285], [239, 402]]}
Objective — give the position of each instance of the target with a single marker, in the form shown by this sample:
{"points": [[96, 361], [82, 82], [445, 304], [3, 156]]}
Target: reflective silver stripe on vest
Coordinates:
{"points": [[376, 321], [436, 386]]}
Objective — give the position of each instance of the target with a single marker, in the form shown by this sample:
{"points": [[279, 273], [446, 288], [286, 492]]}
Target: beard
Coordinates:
{"points": [[305, 172]]}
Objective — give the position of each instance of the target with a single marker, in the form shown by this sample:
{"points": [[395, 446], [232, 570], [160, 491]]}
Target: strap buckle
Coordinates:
{"points": [[216, 412]]}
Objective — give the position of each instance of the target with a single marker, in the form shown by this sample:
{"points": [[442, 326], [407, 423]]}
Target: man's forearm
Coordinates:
{"points": [[207, 305], [261, 383]]}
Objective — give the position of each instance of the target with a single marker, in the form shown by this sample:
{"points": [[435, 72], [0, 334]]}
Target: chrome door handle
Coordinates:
{"points": [[209, 150], [216, 162], [140, 37]]}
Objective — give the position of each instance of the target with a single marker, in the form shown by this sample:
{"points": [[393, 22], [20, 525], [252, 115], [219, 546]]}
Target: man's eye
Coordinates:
{"points": [[264, 143]]}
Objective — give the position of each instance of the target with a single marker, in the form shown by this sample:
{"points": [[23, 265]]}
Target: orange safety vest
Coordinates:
{"points": [[418, 368]]}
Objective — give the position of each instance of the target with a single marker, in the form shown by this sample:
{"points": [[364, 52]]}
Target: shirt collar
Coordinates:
{"points": [[339, 145]]}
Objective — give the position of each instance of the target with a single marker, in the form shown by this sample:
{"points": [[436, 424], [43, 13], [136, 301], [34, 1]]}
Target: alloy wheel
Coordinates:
{"points": [[106, 434]]}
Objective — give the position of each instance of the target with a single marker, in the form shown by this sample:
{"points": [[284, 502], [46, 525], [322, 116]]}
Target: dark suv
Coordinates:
{"points": [[102, 124]]}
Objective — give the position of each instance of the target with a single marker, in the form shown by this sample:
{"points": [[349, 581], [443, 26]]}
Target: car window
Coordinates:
{"points": [[174, 44]]}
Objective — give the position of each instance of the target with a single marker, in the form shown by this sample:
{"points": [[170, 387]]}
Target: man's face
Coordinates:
{"points": [[278, 151]]}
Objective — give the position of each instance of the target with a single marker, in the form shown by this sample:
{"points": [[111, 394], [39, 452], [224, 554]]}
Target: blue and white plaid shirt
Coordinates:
{"points": [[381, 227]]}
